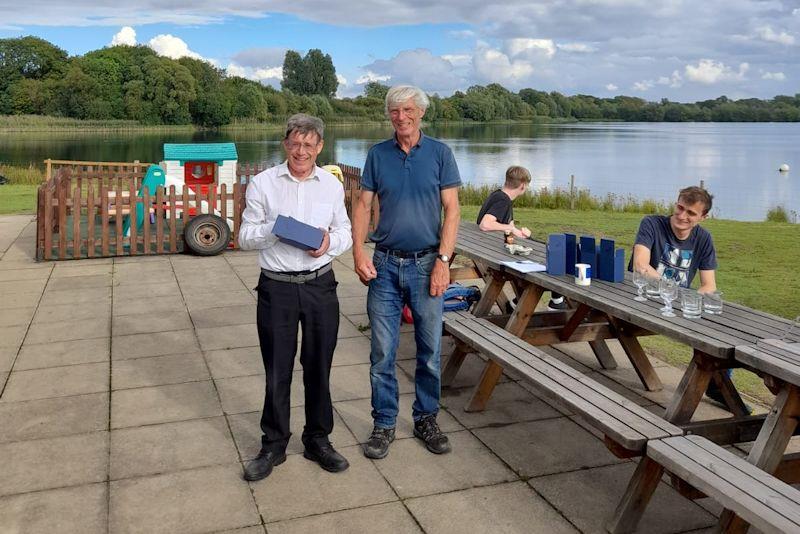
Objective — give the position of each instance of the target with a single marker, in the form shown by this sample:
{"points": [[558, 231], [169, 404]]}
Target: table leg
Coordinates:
{"points": [[603, 354], [640, 489], [690, 390], [732, 398], [493, 288], [635, 352], [516, 326], [768, 449]]}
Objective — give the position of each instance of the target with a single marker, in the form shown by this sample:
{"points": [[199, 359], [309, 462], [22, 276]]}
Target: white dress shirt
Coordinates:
{"points": [[318, 201]]}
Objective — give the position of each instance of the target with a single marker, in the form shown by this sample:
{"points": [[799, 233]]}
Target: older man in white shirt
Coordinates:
{"points": [[296, 287]]}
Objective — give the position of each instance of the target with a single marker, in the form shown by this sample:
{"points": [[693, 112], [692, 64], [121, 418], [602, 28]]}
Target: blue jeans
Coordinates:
{"points": [[403, 281]]}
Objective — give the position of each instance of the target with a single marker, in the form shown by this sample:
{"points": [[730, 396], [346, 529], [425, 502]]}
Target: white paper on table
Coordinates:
{"points": [[525, 266]]}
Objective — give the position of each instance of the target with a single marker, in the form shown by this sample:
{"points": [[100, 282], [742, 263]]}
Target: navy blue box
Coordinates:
{"points": [[605, 260], [589, 251], [297, 234], [556, 254], [571, 252], [619, 265]]}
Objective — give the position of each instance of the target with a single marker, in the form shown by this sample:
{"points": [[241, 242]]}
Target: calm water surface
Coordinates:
{"points": [[737, 162]]}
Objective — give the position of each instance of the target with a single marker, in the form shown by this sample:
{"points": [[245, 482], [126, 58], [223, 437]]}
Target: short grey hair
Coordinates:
{"points": [[400, 93], [304, 124]]}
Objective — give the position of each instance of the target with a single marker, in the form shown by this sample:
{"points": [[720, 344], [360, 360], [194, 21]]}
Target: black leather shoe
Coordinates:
{"points": [[261, 466], [428, 431], [377, 446], [326, 456]]}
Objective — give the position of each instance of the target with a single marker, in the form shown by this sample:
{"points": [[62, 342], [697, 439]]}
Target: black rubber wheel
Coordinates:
{"points": [[207, 235]]}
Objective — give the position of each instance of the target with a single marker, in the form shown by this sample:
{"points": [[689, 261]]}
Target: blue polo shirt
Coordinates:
{"points": [[409, 191]]}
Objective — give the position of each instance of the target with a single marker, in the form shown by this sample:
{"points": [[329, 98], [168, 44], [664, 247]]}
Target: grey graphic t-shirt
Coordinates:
{"points": [[672, 257]]}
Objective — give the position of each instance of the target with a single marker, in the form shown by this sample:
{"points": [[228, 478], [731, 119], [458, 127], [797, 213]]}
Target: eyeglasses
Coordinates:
{"points": [[295, 146]]}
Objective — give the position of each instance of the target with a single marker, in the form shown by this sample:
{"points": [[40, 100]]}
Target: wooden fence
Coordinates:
{"points": [[83, 206]]}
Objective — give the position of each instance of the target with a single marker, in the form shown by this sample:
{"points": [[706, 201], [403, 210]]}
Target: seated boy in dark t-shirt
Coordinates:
{"points": [[497, 213]]}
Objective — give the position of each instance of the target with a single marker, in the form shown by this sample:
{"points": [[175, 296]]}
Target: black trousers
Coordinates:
{"points": [[282, 306]]}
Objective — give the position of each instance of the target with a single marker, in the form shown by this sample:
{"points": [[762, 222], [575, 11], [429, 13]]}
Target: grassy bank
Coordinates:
{"points": [[754, 266], [34, 123]]}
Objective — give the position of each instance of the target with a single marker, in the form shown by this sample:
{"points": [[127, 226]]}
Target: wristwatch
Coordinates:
{"points": [[444, 257]]}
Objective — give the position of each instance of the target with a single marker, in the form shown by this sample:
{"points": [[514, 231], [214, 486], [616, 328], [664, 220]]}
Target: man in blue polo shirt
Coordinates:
{"points": [[414, 178]]}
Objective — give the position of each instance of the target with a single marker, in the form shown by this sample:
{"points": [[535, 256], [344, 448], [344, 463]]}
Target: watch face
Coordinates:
{"points": [[444, 257]]}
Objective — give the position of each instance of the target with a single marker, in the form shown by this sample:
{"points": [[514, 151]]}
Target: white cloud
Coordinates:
{"points": [[530, 47], [643, 85], [372, 77], [125, 36], [674, 80], [494, 66], [341, 79], [417, 67], [462, 34], [171, 47], [611, 87], [579, 48], [777, 76], [708, 71], [458, 60], [766, 33]]}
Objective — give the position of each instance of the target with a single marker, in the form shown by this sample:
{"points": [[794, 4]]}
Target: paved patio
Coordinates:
{"points": [[130, 395]]}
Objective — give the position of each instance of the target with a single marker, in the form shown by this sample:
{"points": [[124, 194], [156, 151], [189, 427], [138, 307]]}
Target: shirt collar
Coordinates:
{"points": [[283, 170], [419, 143]]}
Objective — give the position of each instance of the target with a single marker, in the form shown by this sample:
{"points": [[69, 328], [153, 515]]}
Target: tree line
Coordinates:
{"points": [[134, 83]]}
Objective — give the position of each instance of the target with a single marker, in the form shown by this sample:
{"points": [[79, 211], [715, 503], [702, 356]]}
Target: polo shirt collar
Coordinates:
{"points": [[419, 143], [283, 170]]}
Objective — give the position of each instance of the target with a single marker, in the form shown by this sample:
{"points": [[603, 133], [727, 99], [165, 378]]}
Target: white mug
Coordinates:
{"points": [[583, 274]]}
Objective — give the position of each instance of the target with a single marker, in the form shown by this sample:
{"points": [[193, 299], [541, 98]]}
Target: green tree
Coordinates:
{"points": [[376, 90], [295, 78], [313, 74]]}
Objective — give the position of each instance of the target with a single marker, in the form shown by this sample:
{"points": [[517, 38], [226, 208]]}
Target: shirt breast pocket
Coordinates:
{"points": [[321, 215]]}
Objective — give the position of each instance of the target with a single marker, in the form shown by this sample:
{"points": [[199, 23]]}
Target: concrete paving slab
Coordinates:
{"points": [[228, 337], [441, 473], [77, 351], [351, 350], [79, 282], [468, 375], [171, 304], [543, 447], [246, 429], [510, 403], [150, 291], [199, 500], [90, 296], [229, 315], [19, 275], [601, 489], [7, 356], [353, 305], [168, 447], [151, 322], [356, 521], [162, 275], [352, 382], [214, 282], [71, 312], [67, 330], [348, 328], [97, 267], [79, 509], [158, 371], [54, 462], [231, 363], [57, 382], [46, 418], [357, 414], [156, 344], [299, 488], [21, 300], [259, 529], [22, 286], [12, 336], [9, 264], [218, 299], [509, 508], [246, 393], [163, 404]]}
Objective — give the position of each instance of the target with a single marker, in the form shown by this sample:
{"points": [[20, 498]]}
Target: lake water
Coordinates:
{"points": [[737, 162]]}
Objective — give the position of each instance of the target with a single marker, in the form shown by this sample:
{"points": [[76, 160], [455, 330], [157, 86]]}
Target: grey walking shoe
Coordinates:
{"points": [[377, 446], [428, 431]]}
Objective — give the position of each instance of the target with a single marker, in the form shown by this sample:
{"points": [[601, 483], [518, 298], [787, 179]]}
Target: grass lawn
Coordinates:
{"points": [[757, 266], [17, 198]]}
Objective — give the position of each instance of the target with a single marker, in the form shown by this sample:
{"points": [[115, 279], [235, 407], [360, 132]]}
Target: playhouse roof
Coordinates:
{"points": [[217, 152]]}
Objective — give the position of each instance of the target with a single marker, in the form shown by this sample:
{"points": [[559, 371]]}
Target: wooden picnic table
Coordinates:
{"points": [[606, 310]]}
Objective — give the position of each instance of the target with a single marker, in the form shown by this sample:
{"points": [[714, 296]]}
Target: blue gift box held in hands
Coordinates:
{"points": [[297, 234]]}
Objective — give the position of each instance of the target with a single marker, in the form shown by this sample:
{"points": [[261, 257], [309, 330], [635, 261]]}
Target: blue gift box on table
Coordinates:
{"points": [[297, 234]]}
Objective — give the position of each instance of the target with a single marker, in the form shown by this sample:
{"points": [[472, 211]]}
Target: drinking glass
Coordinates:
{"points": [[651, 289], [640, 281], [712, 303], [668, 290], [691, 303]]}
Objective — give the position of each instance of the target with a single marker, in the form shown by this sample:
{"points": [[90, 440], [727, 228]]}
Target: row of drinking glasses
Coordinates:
{"points": [[692, 302]]}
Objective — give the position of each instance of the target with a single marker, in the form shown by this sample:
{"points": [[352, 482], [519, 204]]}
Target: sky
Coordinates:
{"points": [[677, 49]]}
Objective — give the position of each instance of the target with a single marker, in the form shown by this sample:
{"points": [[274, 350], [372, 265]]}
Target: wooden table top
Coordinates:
{"points": [[717, 335]]}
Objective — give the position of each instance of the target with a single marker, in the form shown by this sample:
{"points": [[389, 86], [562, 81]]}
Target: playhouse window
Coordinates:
{"points": [[197, 171]]}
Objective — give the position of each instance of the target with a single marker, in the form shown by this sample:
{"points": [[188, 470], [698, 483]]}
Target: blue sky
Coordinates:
{"points": [[674, 49]]}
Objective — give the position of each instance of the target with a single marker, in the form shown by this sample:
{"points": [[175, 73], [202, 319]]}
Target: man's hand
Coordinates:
{"points": [[522, 232], [364, 268], [440, 278], [323, 248]]}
